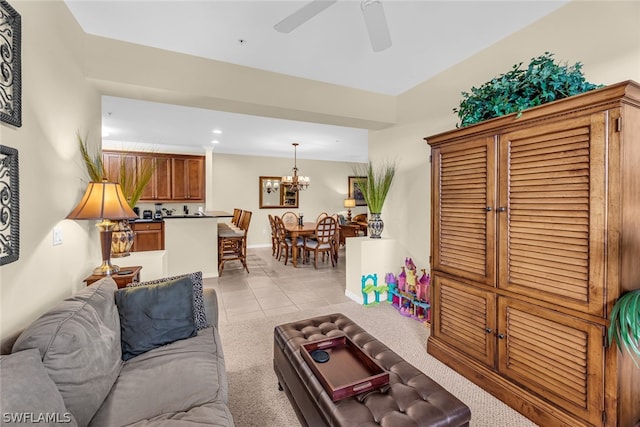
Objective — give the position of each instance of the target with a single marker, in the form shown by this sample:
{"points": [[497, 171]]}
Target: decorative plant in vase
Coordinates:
{"points": [[374, 191], [624, 324], [132, 183]]}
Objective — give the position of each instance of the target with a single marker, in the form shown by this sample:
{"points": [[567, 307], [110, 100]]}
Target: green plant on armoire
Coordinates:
{"points": [[542, 81]]}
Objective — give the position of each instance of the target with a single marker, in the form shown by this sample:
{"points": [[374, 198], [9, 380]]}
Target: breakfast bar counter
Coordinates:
{"points": [[190, 245]]}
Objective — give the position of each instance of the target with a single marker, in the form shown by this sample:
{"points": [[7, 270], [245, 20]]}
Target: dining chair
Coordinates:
{"points": [[274, 236], [232, 244], [284, 243], [324, 242], [290, 218], [322, 215]]}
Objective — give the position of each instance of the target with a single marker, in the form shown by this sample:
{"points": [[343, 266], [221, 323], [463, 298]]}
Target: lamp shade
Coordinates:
{"points": [[103, 200], [349, 203]]}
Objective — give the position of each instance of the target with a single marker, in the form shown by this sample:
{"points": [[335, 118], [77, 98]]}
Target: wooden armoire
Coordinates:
{"points": [[535, 232]]}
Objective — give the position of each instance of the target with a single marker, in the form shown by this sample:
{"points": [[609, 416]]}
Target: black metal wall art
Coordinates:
{"points": [[10, 70], [9, 205]]}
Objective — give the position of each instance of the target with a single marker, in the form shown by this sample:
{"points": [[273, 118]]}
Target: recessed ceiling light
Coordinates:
{"points": [[217, 131], [215, 141]]}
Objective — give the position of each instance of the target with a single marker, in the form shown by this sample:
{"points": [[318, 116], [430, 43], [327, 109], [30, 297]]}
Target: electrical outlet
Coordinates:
{"points": [[57, 235]]}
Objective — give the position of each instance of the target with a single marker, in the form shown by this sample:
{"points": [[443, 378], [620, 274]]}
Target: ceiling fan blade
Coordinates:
{"points": [[376, 22], [302, 15]]}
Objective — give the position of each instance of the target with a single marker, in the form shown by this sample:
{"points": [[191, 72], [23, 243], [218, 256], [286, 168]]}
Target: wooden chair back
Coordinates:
{"points": [[245, 220], [290, 218], [360, 218], [235, 220], [326, 230]]}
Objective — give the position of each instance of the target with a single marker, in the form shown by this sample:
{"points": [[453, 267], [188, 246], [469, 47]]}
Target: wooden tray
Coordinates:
{"points": [[349, 371]]}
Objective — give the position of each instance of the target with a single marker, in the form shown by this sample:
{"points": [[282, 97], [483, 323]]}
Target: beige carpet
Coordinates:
{"points": [[254, 398]]}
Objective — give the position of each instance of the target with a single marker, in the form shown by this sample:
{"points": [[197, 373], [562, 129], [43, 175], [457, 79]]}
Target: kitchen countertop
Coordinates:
{"points": [[209, 214]]}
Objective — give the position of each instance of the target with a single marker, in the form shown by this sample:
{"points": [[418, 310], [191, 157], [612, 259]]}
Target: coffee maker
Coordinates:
{"points": [[158, 214]]}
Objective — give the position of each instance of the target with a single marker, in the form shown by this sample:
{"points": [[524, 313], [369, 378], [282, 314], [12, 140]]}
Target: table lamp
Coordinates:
{"points": [[105, 202], [349, 203]]}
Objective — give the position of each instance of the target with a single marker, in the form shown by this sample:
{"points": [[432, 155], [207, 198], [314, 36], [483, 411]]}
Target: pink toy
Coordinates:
{"points": [[425, 282], [402, 280], [410, 264]]}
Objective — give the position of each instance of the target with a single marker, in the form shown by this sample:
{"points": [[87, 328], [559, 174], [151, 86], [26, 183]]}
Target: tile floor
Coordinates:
{"points": [[272, 288]]}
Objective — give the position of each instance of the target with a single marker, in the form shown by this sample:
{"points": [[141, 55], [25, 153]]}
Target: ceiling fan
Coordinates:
{"points": [[372, 11]]}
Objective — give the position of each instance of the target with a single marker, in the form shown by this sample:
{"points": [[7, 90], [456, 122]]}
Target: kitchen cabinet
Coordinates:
{"points": [[188, 178], [149, 236], [176, 178], [114, 161], [159, 187], [535, 233]]}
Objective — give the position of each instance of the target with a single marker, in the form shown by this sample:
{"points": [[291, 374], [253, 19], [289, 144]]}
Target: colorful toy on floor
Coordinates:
{"points": [[411, 295], [368, 288], [392, 282]]}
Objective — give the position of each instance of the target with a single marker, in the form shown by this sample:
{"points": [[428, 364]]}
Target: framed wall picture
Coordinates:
{"points": [[10, 68], [9, 205], [354, 189]]}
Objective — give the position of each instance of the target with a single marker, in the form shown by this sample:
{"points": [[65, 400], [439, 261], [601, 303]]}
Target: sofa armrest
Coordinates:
{"points": [[211, 305]]}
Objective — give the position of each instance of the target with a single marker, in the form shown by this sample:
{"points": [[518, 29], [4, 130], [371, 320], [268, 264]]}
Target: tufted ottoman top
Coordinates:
{"points": [[410, 399]]}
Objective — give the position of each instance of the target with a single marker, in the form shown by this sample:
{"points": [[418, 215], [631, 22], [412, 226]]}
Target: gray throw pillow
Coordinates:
{"points": [[27, 394], [199, 315], [155, 315]]}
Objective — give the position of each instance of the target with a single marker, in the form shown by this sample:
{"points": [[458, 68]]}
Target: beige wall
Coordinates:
{"points": [[235, 185], [56, 101], [604, 36], [61, 94]]}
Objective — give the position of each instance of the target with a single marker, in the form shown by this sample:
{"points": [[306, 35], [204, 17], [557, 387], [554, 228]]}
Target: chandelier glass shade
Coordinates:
{"points": [[295, 182], [271, 186]]}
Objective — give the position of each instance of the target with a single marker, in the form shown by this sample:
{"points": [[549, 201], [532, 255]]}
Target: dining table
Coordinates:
{"points": [[295, 230]]}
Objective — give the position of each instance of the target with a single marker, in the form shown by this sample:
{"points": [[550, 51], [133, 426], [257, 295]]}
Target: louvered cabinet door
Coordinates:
{"points": [[463, 316], [463, 199], [551, 212], [556, 356]]}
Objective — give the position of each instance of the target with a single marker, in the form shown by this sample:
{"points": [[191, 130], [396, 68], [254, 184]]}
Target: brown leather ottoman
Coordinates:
{"points": [[410, 399]]}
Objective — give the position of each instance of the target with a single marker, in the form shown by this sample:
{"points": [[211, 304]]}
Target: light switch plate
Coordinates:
{"points": [[57, 235]]}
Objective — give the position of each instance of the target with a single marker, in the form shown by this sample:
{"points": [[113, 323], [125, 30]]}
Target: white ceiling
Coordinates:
{"points": [[427, 37]]}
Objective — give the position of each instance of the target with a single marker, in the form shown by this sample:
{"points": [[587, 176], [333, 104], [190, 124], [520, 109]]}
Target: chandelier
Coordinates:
{"points": [[295, 183]]}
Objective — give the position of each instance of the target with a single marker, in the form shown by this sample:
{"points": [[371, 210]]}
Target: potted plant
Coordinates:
{"points": [[374, 191], [132, 184], [624, 324], [513, 92]]}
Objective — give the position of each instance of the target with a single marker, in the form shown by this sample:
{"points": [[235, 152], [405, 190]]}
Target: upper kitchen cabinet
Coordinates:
{"points": [[159, 187], [188, 178], [176, 178], [113, 161]]}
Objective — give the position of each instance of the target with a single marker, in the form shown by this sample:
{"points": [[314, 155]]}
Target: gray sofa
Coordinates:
{"points": [[67, 368]]}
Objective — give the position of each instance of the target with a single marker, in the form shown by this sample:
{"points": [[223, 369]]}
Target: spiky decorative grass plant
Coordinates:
{"points": [[133, 185], [624, 324], [131, 182], [379, 180], [94, 165]]}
